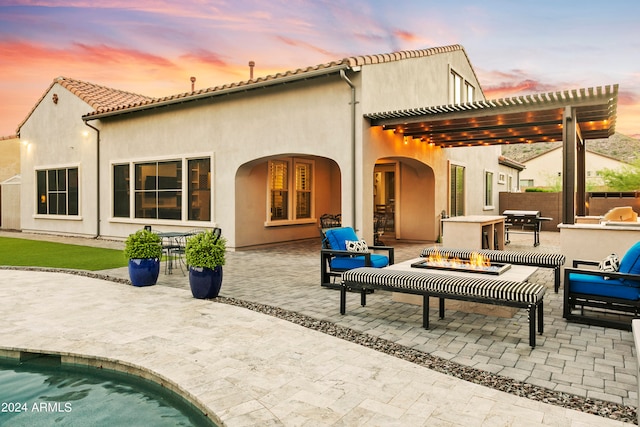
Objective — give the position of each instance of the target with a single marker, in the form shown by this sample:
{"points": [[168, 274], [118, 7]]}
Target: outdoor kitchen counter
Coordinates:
{"points": [[474, 230], [595, 241]]}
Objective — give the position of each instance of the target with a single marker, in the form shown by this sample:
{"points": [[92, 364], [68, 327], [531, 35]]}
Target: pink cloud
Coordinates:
{"points": [[297, 43], [205, 57], [406, 36]]}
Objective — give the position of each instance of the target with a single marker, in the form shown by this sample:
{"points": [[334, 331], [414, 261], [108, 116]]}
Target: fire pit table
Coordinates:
{"points": [[509, 289]]}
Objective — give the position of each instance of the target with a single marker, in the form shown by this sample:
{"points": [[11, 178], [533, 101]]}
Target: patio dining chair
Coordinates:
{"points": [[330, 221], [342, 250], [379, 227]]}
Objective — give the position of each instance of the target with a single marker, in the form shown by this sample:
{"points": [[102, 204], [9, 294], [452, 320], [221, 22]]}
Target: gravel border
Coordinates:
{"points": [[598, 407]]}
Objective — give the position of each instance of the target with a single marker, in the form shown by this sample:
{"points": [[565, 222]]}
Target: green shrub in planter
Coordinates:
{"points": [[143, 244], [143, 249], [205, 250]]}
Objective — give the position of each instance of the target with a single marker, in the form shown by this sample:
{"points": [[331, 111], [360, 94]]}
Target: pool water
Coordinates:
{"points": [[43, 392]]}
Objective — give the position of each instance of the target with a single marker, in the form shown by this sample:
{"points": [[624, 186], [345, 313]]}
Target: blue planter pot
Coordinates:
{"points": [[144, 272], [204, 282]]}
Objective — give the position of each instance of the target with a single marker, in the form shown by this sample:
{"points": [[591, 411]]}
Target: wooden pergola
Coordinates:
{"points": [[569, 117]]}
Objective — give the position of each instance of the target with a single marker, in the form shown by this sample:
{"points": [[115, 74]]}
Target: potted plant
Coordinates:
{"points": [[143, 249], [205, 256]]}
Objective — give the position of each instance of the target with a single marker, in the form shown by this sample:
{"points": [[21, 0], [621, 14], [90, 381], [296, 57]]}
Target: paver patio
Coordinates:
{"points": [[591, 362]]}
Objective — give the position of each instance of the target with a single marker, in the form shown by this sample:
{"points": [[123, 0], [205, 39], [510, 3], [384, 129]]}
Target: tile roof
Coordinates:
{"points": [[100, 97], [96, 96], [300, 73]]}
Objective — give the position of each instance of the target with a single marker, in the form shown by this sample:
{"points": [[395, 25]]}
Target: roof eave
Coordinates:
{"points": [[220, 92]]}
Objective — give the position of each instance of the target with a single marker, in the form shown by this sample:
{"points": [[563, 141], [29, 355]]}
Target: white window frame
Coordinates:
{"points": [[131, 219], [487, 189], [464, 188], [47, 168], [510, 186], [470, 91], [456, 86], [292, 162]]}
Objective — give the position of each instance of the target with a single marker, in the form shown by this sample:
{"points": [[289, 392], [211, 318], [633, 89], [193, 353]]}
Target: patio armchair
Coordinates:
{"points": [[342, 250], [609, 291]]}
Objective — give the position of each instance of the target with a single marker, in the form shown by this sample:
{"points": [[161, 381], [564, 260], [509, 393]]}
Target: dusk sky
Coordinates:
{"points": [[153, 47]]}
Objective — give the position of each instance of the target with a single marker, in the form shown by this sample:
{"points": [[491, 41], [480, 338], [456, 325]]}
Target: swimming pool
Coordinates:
{"points": [[44, 392]]}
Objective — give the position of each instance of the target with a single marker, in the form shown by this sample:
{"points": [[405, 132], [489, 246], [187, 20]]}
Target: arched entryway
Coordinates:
{"points": [[280, 198], [404, 190]]}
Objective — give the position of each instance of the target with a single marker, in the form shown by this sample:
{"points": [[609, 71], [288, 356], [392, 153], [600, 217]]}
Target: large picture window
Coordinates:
{"points": [[57, 191], [286, 205], [457, 190], [159, 188]]}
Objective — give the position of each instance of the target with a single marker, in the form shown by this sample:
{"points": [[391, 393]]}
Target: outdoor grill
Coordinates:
{"points": [[523, 222]]}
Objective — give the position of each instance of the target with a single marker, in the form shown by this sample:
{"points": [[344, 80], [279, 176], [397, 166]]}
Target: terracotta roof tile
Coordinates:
{"points": [[345, 62], [100, 97], [96, 96]]}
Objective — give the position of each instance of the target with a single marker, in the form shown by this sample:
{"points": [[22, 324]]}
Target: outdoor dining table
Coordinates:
{"points": [[173, 242]]}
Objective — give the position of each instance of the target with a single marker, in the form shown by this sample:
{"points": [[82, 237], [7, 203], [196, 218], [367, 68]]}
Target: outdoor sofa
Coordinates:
{"points": [[606, 294]]}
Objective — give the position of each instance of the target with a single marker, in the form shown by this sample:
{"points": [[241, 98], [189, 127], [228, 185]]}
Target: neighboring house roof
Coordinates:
{"points": [[589, 150], [511, 163], [274, 79], [96, 96]]}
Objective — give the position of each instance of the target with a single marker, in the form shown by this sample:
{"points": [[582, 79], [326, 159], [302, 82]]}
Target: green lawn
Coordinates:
{"points": [[36, 253]]}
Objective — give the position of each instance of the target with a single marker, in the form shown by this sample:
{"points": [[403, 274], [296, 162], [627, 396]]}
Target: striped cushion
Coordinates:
{"points": [[523, 292], [526, 258]]}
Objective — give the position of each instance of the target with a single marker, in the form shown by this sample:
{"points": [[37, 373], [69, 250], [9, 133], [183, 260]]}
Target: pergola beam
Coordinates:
{"points": [[567, 116]]}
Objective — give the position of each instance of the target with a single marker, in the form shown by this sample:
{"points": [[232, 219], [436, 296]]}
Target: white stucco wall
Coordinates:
{"points": [[240, 132], [414, 83], [308, 118], [54, 136]]}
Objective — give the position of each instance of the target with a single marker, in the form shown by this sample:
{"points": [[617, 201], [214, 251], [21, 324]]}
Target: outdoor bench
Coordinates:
{"points": [[488, 291], [534, 259]]}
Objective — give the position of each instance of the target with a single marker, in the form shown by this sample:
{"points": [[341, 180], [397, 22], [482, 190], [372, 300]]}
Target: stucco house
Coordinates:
{"points": [[545, 169], [10, 182], [264, 158]]}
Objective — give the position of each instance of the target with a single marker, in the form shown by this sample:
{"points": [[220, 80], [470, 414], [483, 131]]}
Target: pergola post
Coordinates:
{"points": [[581, 172], [568, 166]]}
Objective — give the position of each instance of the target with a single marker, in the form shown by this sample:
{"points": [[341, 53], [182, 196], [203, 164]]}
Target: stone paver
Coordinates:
{"points": [[245, 367], [569, 357]]}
